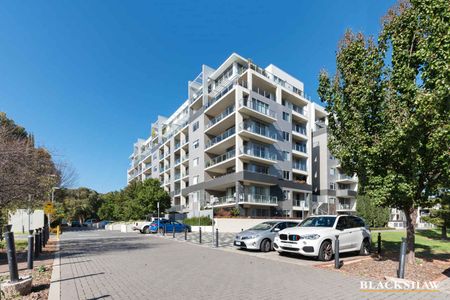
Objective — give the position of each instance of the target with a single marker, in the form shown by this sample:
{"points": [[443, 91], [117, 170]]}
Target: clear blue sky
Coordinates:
{"points": [[89, 77]]}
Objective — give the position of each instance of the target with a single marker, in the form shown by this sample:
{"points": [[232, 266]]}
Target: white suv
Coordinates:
{"points": [[315, 236]]}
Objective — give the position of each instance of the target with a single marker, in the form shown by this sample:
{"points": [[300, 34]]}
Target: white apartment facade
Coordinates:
{"points": [[243, 139]]}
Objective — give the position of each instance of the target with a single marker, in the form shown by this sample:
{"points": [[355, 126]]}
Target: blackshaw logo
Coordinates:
{"points": [[399, 286]]}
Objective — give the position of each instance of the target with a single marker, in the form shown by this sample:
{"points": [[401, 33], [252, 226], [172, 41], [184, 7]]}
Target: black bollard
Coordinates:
{"points": [[42, 239], [199, 235], [30, 250], [185, 233], [401, 268], [337, 263], [173, 231], [217, 238], [36, 244], [11, 253], [379, 243], [164, 230]]}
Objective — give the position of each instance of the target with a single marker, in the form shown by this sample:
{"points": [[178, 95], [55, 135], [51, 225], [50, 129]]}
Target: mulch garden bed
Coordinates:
{"points": [[377, 268]]}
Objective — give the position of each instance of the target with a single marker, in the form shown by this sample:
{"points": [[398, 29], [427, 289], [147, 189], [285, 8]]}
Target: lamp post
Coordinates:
{"points": [[53, 200]]}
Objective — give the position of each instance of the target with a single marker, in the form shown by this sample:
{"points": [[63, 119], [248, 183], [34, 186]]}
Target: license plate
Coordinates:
{"points": [[237, 243]]}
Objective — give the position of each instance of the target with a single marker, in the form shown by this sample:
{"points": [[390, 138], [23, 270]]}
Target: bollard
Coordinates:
{"points": [[242, 229], [164, 230], [30, 250], [337, 263], [379, 243], [401, 268], [42, 240], [217, 238], [185, 233], [11, 253], [36, 244], [173, 231], [200, 235]]}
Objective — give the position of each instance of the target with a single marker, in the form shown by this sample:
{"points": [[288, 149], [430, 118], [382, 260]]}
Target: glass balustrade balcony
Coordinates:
{"points": [[258, 107], [221, 137], [299, 165], [228, 111], [300, 148], [299, 129], [257, 129], [258, 152], [259, 199], [218, 159]]}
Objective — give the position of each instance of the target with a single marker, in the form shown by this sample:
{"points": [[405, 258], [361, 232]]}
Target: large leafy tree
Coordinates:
{"points": [[374, 215], [389, 108], [440, 214]]}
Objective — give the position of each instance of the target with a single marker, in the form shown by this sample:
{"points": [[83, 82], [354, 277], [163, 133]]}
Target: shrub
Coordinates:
{"points": [[198, 221]]}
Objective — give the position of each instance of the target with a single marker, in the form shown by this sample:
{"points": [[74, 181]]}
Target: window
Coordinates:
{"points": [[332, 171], [196, 144], [331, 200], [286, 116], [332, 186], [195, 126], [285, 195], [286, 136], [286, 175], [286, 156], [195, 180], [195, 162], [281, 226]]}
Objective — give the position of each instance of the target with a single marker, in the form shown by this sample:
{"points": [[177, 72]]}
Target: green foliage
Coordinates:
{"points": [[440, 216], [389, 107], [235, 212], [374, 215], [135, 202], [41, 269], [198, 221], [76, 204]]}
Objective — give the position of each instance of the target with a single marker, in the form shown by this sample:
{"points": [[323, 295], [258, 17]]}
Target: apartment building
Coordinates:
{"points": [[334, 192], [242, 139]]}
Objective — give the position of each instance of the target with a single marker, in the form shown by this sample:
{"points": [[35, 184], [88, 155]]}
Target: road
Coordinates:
{"points": [[102, 264]]}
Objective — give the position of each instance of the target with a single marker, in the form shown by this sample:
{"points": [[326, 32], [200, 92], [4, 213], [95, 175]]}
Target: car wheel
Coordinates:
{"points": [[265, 246], [365, 248], [146, 230], [325, 251]]}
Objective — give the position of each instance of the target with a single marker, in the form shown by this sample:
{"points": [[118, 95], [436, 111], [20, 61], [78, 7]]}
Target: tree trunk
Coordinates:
{"points": [[411, 217], [444, 232]]}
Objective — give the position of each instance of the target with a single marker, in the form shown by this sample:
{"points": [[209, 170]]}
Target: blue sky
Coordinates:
{"points": [[89, 77]]}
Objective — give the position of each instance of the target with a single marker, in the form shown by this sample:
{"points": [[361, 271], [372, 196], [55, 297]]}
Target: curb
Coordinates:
{"points": [[55, 283]]}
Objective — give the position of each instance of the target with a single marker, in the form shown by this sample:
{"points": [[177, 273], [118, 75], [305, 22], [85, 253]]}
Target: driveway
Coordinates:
{"points": [[100, 264]]}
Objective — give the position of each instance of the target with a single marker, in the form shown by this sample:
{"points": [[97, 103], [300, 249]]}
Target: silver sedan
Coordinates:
{"points": [[260, 237]]}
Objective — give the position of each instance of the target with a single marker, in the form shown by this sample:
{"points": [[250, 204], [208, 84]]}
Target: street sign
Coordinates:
{"points": [[48, 208]]}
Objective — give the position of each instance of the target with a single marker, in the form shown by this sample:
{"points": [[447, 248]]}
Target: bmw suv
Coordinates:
{"points": [[316, 236]]}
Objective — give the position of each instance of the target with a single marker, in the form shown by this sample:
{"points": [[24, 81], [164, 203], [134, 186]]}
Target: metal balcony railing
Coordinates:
{"points": [[299, 129], [299, 165]]}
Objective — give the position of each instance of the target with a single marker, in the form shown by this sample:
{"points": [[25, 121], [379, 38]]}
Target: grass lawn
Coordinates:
{"points": [[428, 243], [20, 245]]}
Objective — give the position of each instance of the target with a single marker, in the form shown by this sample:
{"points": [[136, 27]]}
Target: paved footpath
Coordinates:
{"points": [[102, 264]]}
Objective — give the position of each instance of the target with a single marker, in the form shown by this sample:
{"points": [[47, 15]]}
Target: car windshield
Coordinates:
{"points": [[263, 226], [318, 222]]}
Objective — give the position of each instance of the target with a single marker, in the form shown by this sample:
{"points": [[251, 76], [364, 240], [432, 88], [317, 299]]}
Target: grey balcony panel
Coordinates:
{"points": [[345, 193], [196, 114]]}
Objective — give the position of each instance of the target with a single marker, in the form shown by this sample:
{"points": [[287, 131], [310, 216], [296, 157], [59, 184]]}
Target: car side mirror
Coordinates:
{"points": [[276, 229]]}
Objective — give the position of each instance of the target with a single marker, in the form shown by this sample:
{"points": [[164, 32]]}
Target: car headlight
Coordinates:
{"points": [[310, 236], [249, 237]]}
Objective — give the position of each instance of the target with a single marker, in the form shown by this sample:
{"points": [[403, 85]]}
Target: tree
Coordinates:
{"points": [[440, 216], [389, 108], [375, 216]]}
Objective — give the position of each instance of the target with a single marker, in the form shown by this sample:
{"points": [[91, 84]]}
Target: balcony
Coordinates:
{"points": [[257, 132], [257, 109], [224, 91], [300, 150], [224, 201], [346, 206], [223, 119], [256, 199], [299, 130], [217, 145], [300, 205], [264, 93], [177, 176], [299, 167], [177, 161], [345, 193], [219, 160], [258, 154], [342, 178]]}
